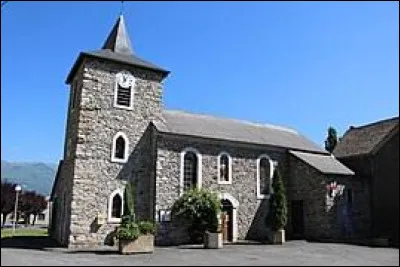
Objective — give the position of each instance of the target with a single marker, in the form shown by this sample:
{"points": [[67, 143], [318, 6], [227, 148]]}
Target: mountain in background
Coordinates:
{"points": [[35, 176]]}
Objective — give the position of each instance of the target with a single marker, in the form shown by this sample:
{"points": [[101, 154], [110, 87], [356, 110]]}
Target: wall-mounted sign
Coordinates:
{"points": [[164, 215]]}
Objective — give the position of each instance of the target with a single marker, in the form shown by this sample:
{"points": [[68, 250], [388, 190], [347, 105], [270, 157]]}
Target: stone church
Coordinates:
{"points": [[118, 130]]}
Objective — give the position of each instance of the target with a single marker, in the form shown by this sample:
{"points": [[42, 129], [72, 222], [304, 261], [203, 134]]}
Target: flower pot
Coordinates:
{"points": [[279, 237], [213, 240], [143, 244]]}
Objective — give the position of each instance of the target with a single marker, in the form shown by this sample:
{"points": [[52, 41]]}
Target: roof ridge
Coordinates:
{"points": [[374, 123], [264, 125]]}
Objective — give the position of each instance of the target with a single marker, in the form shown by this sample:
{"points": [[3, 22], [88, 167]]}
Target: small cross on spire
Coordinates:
{"points": [[122, 8]]}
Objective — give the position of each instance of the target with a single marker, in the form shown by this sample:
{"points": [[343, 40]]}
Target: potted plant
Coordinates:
{"points": [[200, 208], [134, 237], [277, 216]]}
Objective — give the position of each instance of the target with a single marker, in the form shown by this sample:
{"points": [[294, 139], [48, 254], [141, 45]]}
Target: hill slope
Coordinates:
{"points": [[36, 176]]}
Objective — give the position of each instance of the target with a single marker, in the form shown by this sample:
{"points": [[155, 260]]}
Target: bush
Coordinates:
{"points": [[146, 227], [128, 231], [199, 208], [277, 216]]}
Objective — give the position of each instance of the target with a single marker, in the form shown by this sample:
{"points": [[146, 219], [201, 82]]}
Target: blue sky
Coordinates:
{"points": [[305, 65]]}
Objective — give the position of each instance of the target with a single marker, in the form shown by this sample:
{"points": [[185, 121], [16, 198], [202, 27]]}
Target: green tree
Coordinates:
{"points": [[331, 140], [277, 216], [129, 200]]}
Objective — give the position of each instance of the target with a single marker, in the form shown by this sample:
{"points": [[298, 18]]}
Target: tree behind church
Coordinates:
{"points": [[331, 140]]}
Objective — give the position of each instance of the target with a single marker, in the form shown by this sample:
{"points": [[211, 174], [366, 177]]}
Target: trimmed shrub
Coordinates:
{"points": [[277, 216]]}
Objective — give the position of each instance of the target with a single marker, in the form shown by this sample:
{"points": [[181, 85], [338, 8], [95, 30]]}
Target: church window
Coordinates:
{"points": [[264, 176], [123, 95], [115, 206], [190, 169], [224, 168], [119, 148]]}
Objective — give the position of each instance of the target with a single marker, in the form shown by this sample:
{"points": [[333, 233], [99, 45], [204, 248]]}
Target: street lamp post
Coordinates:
{"points": [[17, 190]]}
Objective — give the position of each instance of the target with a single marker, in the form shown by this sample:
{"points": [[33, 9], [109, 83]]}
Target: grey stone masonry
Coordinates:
{"points": [[251, 211], [324, 217], [95, 177]]}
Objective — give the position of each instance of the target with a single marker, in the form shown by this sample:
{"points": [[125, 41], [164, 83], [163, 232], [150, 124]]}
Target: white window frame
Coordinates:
{"points": [[113, 158], [111, 219], [229, 168], [199, 168], [271, 167], [132, 86]]}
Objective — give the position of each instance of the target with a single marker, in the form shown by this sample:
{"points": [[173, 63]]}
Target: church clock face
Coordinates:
{"points": [[125, 79]]}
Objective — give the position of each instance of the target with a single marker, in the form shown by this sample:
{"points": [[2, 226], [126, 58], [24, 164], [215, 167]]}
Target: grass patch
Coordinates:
{"points": [[5, 233]]}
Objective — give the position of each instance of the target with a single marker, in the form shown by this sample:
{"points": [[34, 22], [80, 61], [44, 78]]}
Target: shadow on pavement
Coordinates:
{"points": [[29, 242], [97, 252]]}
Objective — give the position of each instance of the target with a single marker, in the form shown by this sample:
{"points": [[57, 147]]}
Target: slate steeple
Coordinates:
{"points": [[117, 48], [118, 40]]}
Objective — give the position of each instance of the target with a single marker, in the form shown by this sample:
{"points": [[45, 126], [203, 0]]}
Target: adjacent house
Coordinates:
{"points": [[372, 151], [118, 130]]}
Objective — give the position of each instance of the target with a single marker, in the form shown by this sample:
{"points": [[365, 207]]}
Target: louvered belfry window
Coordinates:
{"points": [[125, 82], [124, 96]]}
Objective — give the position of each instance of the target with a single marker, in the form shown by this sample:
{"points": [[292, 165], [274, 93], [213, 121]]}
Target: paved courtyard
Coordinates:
{"points": [[292, 253]]}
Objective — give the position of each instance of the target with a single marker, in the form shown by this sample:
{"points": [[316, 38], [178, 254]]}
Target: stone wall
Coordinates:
{"points": [[322, 221], [251, 212], [60, 206], [95, 176], [386, 190]]}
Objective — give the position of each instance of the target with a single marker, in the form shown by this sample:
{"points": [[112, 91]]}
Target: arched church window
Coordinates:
{"points": [[224, 168], [119, 148], [115, 206], [190, 170], [116, 210], [264, 176]]}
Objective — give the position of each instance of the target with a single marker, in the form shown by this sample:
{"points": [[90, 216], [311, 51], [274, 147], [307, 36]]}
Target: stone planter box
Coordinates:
{"points": [[213, 240], [144, 244], [279, 237]]}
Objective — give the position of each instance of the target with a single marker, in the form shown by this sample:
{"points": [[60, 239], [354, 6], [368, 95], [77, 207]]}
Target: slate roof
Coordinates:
{"points": [[183, 123], [326, 164], [363, 139], [118, 48]]}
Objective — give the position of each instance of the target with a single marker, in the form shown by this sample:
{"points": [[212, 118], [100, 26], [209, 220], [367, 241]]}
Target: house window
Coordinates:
{"points": [[115, 206], [190, 169], [123, 95], [264, 176], [224, 168], [120, 146]]}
